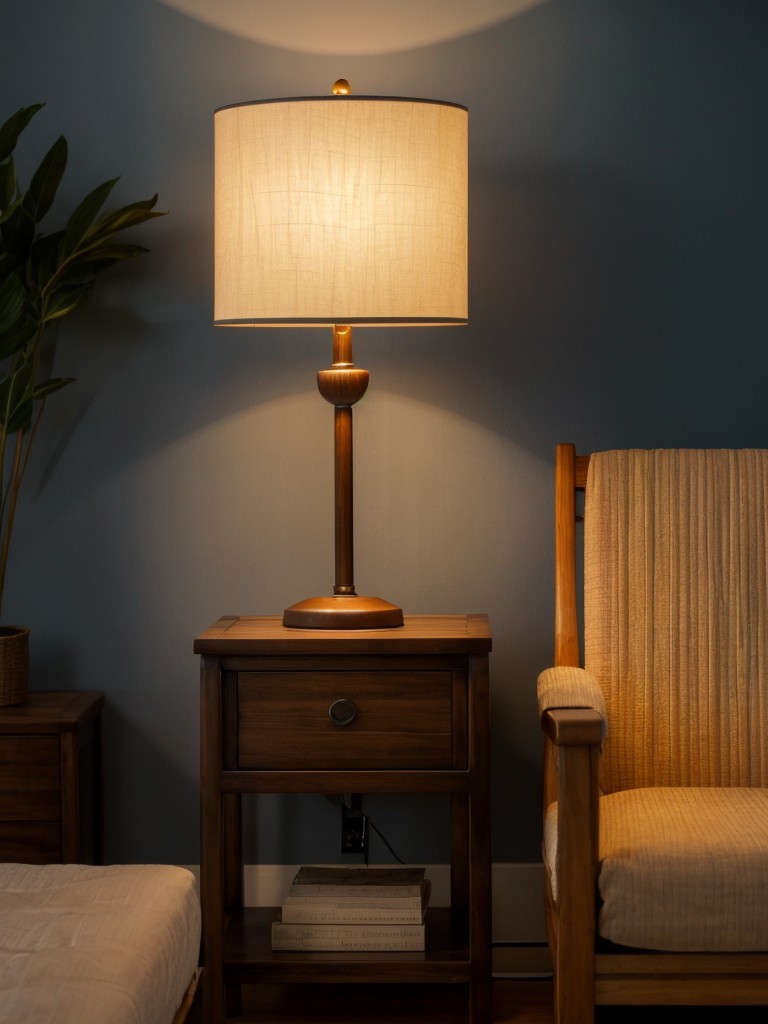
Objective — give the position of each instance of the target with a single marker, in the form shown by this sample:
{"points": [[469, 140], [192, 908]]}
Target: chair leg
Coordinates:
{"points": [[572, 947], [574, 998]]}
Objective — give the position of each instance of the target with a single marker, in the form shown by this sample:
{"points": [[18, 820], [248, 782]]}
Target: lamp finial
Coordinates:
{"points": [[341, 87]]}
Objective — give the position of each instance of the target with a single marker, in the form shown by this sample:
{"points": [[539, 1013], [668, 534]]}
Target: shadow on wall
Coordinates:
{"points": [[152, 789]]}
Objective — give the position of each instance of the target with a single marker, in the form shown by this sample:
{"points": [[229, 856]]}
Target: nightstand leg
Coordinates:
{"points": [[212, 874]]}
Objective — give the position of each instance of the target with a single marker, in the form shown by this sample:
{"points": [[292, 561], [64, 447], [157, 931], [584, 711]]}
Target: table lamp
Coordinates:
{"points": [[341, 211]]}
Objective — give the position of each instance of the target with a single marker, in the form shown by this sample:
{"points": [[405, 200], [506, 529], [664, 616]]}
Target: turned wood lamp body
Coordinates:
{"points": [[342, 385]]}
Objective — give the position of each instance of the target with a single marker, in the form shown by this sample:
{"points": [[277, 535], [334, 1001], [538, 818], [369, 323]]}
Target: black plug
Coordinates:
{"points": [[354, 825]]}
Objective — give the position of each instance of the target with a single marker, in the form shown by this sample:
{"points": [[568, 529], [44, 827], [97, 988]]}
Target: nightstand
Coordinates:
{"points": [[418, 722], [50, 779]]}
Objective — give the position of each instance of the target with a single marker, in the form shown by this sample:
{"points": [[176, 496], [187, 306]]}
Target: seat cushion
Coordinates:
{"points": [[683, 869]]}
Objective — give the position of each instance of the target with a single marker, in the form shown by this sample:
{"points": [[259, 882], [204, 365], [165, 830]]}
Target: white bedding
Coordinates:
{"points": [[96, 945]]}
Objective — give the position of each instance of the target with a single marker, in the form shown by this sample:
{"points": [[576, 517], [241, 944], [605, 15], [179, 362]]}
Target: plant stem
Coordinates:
{"points": [[17, 471]]}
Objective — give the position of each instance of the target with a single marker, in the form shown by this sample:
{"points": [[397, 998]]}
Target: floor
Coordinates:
{"points": [[515, 1002]]}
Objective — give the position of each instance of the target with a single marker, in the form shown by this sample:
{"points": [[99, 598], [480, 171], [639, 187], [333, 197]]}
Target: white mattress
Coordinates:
{"points": [[96, 945]]}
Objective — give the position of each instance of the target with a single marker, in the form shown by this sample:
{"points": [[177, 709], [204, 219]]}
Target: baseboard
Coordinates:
{"points": [[519, 935]]}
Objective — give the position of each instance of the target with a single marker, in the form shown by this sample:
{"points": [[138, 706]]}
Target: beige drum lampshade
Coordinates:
{"points": [[340, 210]]}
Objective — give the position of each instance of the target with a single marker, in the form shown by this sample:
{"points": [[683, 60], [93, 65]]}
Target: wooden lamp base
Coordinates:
{"points": [[343, 611]]}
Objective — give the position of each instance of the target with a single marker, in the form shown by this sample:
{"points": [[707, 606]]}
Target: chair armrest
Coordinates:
{"points": [[572, 710], [573, 727], [566, 686], [574, 690]]}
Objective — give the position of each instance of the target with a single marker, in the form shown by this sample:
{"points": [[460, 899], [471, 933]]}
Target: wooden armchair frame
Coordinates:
{"points": [[587, 970]]}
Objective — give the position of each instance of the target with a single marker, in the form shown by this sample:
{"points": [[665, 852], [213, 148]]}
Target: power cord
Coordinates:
{"points": [[368, 822]]}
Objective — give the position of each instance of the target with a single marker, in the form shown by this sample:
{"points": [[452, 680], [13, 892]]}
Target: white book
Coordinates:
{"points": [[404, 910], [312, 883], [351, 937]]}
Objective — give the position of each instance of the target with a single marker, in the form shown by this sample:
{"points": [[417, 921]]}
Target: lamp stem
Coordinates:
{"points": [[342, 385], [345, 572]]}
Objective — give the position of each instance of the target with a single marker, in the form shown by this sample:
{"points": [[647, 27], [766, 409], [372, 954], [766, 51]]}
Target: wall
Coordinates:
{"points": [[618, 268]]}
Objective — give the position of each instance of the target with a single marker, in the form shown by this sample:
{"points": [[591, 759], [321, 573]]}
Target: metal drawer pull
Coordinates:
{"points": [[342, 711]]}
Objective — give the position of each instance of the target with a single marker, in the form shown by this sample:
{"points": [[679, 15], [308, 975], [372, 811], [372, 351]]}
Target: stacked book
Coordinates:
{"points": [[339, 909]]}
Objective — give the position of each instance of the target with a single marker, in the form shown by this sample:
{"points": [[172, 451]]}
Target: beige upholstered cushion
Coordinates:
{"points": [[681, 868], [685, 868], [676, 615], [568, 687]]}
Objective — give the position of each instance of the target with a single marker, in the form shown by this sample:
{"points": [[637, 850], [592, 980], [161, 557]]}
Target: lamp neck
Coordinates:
{"points": [[342, 345]]}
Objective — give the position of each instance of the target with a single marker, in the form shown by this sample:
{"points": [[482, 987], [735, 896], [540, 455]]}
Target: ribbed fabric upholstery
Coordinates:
{"points": [[685, 868], [675, 615], [681, 868], [565, 686]]}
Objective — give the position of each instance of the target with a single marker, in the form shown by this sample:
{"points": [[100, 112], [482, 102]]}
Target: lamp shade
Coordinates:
{"points": [[340, 210]]}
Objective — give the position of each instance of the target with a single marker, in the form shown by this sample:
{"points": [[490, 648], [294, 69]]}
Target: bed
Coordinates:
{"points": [[97, 945]]}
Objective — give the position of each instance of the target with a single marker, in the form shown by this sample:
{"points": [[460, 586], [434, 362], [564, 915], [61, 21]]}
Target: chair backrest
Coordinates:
{"points": [[676, 614]]}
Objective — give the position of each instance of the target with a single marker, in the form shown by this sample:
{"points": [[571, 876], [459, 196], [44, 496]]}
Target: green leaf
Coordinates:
{"points": [[10, 210], [116, 251], [81, 220], [7, 184], [13, 127], [65, 299], [13, 296], [126, 217], [47, 387], [87, 262], [46, 179], [16, 398], [20, 417], [13, 341], [86, 266], [18, 232], [44, 258]]}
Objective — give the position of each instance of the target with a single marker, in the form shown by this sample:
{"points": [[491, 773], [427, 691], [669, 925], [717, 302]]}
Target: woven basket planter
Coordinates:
{"points": [[14, 665]]}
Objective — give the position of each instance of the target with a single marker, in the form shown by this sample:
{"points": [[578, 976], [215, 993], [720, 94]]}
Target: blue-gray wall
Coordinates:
{"points": [[619, 260]]}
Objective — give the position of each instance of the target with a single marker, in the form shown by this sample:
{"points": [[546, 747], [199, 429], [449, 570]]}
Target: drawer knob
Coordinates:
{"points": [[342, 711]]}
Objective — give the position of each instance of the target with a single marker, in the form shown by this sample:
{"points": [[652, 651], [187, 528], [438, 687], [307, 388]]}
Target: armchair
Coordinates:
{"points": [[656, 751]]}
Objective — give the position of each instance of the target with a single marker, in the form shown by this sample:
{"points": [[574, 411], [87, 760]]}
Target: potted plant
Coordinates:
{"points": [[44, 276]]}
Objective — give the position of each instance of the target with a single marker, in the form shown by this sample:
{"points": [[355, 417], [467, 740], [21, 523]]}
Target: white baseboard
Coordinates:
{"points": [[519, 935]]}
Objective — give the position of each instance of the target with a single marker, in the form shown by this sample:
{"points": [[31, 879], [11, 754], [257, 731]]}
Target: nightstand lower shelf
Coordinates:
{"points": [[249, 958]]}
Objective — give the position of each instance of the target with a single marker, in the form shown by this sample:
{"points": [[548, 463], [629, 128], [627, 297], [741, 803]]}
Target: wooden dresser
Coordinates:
{"points": [[50, 779]]}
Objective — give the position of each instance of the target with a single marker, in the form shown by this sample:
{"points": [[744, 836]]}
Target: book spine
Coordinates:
{"points": [[388, 902], [330, 914], [348, 892], [340, 938]]}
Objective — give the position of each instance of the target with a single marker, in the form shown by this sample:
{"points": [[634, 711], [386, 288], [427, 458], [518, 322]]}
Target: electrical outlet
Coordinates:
{"points": [[354, 826]]}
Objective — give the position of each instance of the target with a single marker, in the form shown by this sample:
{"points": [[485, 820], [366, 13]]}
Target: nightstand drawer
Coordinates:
{"points": [[366, 720], [30, 778]]}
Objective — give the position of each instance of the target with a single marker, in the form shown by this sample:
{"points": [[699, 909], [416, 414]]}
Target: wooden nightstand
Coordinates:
{"points": [[421, 725], [50, 779]]}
